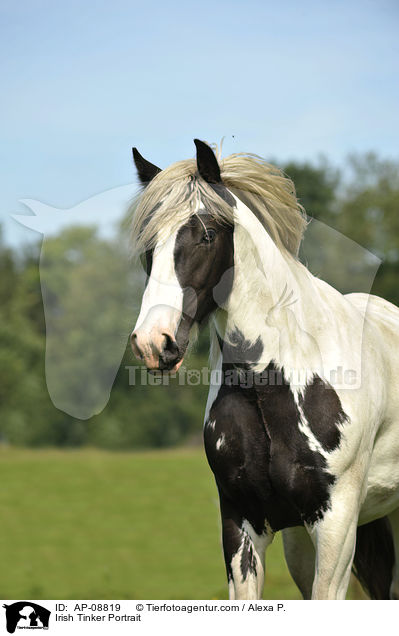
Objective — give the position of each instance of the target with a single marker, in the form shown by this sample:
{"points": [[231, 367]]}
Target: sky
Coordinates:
{"points": [[82, 82]]}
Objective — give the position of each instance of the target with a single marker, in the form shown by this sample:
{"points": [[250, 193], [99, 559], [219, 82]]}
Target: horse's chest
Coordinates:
{"points": [[262, 461]]}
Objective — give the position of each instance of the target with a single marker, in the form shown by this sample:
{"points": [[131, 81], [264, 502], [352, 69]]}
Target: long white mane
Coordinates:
{"points": [[175, 194]]}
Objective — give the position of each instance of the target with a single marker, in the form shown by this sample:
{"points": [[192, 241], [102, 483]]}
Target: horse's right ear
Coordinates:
{"points": [[145, 169], [207, 163]]}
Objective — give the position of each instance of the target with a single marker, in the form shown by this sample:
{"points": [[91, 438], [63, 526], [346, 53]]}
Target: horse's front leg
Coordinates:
{"points": [[244, 553], [334, 538]]}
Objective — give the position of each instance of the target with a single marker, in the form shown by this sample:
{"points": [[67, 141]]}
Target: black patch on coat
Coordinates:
{"points": [[200, 266], [266, 470], [239, 351], [234, 537], [323, 410], [231, 531], [224, 194], [248, 559]]}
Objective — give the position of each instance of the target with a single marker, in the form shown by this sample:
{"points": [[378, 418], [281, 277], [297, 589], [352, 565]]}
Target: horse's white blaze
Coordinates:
{"points": [[162, 304]]}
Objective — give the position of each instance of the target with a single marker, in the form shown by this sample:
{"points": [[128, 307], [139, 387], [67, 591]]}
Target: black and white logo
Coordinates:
{"points": [[26, 615]]}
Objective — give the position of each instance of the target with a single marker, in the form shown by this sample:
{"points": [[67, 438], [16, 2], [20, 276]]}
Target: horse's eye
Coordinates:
{"points": [[209, 236]]}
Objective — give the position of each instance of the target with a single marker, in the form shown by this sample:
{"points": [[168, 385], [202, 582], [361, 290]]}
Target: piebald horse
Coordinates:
{"points": [[291, 447]]}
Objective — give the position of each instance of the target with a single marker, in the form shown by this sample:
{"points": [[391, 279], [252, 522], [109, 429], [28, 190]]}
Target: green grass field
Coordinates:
{"points": [[99, 525]]}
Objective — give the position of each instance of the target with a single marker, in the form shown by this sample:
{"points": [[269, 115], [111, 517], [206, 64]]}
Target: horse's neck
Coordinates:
{"points": [[268, 300]]}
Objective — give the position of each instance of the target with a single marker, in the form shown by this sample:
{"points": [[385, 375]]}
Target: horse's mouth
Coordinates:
{"points": [[169, 366], [176, 367], [163, 369]]}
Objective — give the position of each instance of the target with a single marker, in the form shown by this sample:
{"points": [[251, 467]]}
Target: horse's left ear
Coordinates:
{"points": [[145, 169], [207, 163]]}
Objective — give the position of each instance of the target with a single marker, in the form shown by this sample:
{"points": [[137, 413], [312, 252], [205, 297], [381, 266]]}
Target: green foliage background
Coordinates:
{"points": [[361, 200]]}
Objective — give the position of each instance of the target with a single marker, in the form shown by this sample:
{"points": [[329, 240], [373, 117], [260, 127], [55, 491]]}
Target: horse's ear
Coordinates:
{"points": [[207, 163], [145, 169]]}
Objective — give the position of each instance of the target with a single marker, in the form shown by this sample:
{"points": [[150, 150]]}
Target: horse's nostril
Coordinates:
{"points": [[134, 345], [170, 353], [170, 345], [133, 339]]}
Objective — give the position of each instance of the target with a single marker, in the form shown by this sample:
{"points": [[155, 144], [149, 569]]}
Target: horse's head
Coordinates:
{"points": [[189, 267]]}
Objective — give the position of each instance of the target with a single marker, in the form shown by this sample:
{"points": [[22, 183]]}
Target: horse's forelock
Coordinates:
{"points": [[178, 191]]}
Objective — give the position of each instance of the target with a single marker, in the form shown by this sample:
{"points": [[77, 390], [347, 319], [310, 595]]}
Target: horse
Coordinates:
{"points": [[295, 452]]}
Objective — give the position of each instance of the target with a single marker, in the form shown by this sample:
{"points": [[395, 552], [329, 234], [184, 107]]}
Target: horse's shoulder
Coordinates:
{"points": [[380, 313]]}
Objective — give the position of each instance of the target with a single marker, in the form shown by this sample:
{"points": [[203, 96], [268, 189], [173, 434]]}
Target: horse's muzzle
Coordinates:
{"points": [[158, 351]]}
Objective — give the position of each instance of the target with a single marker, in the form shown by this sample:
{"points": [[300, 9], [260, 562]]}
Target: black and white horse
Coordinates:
{"points": [[292, 446]]}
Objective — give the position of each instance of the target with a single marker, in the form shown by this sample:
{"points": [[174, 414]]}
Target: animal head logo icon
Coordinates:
{"points": [[27, 615]]}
